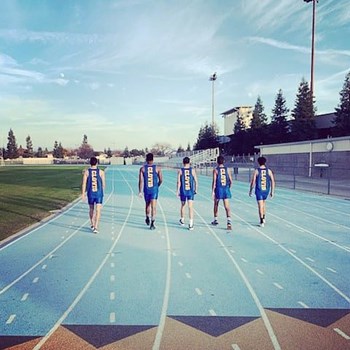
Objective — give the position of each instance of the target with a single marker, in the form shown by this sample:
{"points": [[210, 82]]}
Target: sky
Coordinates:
{"points": [[134, 73]]}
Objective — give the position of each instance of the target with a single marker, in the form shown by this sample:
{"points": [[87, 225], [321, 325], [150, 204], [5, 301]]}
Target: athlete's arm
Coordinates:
{"points": [[252, 183], [83, 185], [213, 185], [160, 176], [195, 180], [140, 180], [178, 183], [103, 178], [273, 183], [229, 176]]}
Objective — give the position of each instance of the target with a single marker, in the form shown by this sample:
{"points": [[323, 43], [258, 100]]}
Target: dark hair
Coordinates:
{"points": [[221, 160], [186, 160], [261, 160], [149, 157], [93, 161]]}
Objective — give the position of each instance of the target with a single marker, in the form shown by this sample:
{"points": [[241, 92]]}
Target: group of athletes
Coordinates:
{"points": [[151, 177]]}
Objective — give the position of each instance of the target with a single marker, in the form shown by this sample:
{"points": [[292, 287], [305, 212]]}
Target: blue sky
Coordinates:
{"points": [[136, 72]]}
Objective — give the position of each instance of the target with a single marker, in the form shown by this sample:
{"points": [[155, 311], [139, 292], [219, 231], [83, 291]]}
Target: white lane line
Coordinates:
{"points": [[259, 271], [332, 270], [112, 296], [212, 312], [235, 347], [25, 297], [44, 267], [198, 291], [244, 260], [112, 265], [41, 226], [11, 319], [188, 275], [277, 285], [232, 251], [341, 333], [42, 260], [180, 263], [312, 260], [174, 254], [288, 251], [293, 251], [303, 305], [112, 278], [35, 280], [164, 312], [45, 338], [261, 309], [112, 317]]}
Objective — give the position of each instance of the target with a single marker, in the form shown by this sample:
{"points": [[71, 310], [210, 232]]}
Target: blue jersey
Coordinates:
{"points": [[263, 182], [150, 179], [94, 186], [186, 183], [223, 183]]}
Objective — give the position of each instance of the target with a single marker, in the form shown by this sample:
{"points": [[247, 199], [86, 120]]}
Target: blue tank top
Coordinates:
{"points": [[94, 183], [186, 184], [222, 179], [263, 181], [150, 179]]}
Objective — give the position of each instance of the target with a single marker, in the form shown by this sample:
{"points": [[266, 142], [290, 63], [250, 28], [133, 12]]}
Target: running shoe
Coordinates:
{"points": [[181, 222], [190, 227], [229, 226], [147, 221], [152, 227], [215, 223], [92, 228], [95, 230]]}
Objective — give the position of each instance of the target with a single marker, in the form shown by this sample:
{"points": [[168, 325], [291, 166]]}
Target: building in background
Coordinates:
{"points": [[230, 118]]}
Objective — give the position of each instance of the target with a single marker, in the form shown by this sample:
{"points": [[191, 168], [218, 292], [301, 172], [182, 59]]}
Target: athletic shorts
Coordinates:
{"points": [[189, 197], [150, 196], [261, 196], [95, 200], [222, 193]]}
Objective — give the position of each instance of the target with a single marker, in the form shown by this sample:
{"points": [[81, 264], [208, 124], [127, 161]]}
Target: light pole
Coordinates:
{"points": [[212, 79], [312, 44]]}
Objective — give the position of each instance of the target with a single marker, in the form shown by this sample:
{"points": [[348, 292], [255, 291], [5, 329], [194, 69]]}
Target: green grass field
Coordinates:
{"points": [[29, 193]]}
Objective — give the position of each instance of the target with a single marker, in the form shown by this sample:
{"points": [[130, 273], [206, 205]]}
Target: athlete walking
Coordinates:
{"points": [[222, 181], [93, 185], [264, 183], [187, 186], [150, 178]]}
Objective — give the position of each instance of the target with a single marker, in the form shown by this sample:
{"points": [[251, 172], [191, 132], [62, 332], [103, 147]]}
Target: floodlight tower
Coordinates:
{"points": [[212, 78], [312, 44]]}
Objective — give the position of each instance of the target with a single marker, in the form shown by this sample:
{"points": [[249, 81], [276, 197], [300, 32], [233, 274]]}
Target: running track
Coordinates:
{"points": [[284, 286]]}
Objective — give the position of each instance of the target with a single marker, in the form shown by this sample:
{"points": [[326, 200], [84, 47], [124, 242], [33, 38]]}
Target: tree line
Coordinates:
{"points": [[300, 125]]}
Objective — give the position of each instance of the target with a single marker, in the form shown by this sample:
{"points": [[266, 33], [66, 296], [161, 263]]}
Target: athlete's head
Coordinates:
{"points": [[186, 160], [262, 160], [221, 160], [149, 157], [93, 161]]}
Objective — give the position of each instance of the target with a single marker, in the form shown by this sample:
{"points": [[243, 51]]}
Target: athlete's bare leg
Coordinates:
{"points": [[97, 215]]}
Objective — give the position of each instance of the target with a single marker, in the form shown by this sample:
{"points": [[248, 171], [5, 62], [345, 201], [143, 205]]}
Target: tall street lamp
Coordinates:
{"points": [[212, 79], [312, 44]]}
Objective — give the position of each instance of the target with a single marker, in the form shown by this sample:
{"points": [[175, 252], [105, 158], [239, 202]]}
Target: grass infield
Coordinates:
{"points": [[29, 193]]}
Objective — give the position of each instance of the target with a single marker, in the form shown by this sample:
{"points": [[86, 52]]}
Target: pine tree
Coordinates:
{"points": [[239, 124], [259, 119], [12, 149], [85, 151], [342, 112], [303, 123], [207, 137], [279, 128], [29, 151]]}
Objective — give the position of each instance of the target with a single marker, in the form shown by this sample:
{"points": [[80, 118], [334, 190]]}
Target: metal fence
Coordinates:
{"points": [[316, 179]]}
